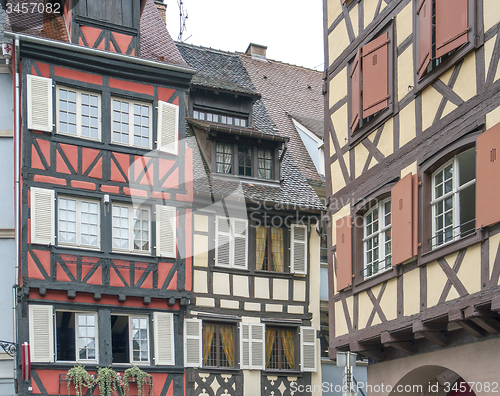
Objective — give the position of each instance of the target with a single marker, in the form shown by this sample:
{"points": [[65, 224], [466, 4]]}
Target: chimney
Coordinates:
{"points": [[162, 9], [256, 51]]}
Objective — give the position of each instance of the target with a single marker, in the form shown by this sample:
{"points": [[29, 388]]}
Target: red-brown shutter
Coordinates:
{"points": [[488, 177], [402, 220], [451, 25], [343, 1], [424, 13], [375, 65], [356, 91], [415, 214], [344, 252]]}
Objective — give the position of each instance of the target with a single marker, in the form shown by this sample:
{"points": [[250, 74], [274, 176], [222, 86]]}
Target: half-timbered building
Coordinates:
{"points": [[251, 327], [106, 193], [412, 123]]}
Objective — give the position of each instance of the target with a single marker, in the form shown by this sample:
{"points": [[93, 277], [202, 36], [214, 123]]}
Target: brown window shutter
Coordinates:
{"points": [[415, 214], [451, 25], [344, 1], [356, 91], [402, 220], [344, 252], [424, 13], [487, 177], [375, 66]]}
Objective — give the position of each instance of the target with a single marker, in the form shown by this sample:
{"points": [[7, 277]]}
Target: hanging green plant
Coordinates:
{"points": [[80, 378], [107, 379], [135, 374]]}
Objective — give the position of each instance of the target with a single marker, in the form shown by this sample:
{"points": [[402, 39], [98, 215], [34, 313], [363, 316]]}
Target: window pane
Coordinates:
{"points": [[265, 163], [244, 161], [467, 166], [120, 339], [120, 227], [223, 158], [65, 336], [209, 345]]}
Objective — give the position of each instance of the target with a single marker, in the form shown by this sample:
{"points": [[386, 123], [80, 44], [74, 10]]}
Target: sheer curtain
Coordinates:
{"points": [[277, 255], [261, 240], [208, 335], [226, 333]]}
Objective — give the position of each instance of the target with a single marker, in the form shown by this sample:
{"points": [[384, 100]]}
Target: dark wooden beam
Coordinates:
{"points": [[400, 341], [495, 304], [485, 319], [372, 350], [435, 333], [456, 315]]}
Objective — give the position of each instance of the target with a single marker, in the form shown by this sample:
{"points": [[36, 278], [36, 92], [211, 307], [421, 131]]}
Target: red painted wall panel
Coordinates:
{"points": [[131, 86], [78, 75]]}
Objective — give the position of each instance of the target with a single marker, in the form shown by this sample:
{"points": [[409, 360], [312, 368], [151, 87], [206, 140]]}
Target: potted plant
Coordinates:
{"points": [[135, 374], [80, 378], [107, 379]]}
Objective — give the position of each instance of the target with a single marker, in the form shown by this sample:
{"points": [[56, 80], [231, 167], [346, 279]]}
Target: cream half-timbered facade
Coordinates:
{"points": [[252, 323], [412, 113]]}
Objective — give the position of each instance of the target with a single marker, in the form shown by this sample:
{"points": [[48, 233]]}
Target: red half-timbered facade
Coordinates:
{"points": [[106, 194]]}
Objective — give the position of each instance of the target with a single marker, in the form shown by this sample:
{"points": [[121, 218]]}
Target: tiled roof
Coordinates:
{"points": [[46, 25], [155, 41], [293, 191], [217, 69], [315, 125], [288, 89]]}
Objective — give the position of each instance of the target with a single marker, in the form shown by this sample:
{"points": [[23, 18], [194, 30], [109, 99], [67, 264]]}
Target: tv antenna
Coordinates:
{"points": [[182, 19]]}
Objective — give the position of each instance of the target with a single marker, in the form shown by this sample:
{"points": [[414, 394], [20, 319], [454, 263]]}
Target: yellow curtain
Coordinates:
{"points": [[226, 333], [208, 335], [288, 346], [261, 239], [278, 261], [270, 336]]}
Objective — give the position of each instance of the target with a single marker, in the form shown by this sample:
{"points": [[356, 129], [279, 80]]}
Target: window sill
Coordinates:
{"points": [[245, 179], [274, 274], [293, 373], [451, 247], [220, 369]]}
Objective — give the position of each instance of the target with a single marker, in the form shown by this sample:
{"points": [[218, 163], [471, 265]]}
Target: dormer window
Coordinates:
{"points": [[244, 160]]}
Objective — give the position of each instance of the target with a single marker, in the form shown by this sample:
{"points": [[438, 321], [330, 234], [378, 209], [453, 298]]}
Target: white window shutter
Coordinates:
{"points": [[163, 323], [298, 256], [166, 222], [222, 242], [245, 346], [258, 347], [240, 243], [168, 127], [42, 216], [308, 350], [192, 343], [41, 328], [39, 103]]}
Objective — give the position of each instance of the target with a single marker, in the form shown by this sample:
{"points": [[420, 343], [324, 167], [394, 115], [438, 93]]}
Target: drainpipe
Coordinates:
{"points": [[17, 187]]}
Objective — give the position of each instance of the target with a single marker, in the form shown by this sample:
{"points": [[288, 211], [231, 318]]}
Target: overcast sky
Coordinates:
{"points": [[292, 30]]}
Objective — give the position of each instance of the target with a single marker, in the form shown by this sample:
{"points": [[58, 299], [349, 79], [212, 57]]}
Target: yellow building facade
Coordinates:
{"points": [[412, 110]]}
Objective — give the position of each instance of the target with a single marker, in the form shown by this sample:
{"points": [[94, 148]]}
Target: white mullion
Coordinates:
{"points": [[130, 124], [131, 228], [78, 222], [456, 203], [78, 113]]}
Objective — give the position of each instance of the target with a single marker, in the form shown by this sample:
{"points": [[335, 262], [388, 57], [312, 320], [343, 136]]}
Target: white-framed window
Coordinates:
{"points": [[78, 113], [131, 228], [131, 123], [76, 336], [78, 222], [454, 199], [231, 244], [130, 339], [377, 238]]}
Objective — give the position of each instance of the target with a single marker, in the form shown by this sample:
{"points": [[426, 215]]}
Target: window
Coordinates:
{"points": [[224, 157], [78, 222], [244, 161], [130, 339], [280, 348], [78, 113], [270, 248], [377, 239], [219, 118], [71, 336], [265, 163], [131, 228], [131, 123], [76, 336], [371, 82], [443, 26], [231, 244], [218, 345], [454, 199]]}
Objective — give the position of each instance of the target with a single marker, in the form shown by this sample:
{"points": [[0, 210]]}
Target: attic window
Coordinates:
{"points": [[219, 118]]}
